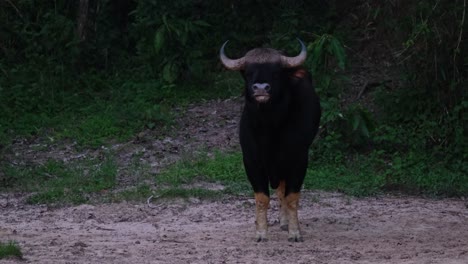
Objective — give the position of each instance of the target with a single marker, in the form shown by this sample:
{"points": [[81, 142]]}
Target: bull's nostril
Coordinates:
{"points": [[261, 86]]}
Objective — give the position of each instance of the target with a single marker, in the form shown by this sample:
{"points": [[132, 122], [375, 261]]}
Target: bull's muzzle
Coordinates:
{"points": [[261, 92]]}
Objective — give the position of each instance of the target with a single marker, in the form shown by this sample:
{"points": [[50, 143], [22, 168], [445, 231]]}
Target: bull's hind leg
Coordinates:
{"points": [[283, 213], [262, 202], [292, 204]]}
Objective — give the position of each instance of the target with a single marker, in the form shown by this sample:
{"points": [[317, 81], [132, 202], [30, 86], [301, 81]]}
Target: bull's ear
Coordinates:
{"points": [[297, 74]]}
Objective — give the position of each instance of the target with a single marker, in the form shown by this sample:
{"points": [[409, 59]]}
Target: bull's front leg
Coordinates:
{"points": [[291, 202], [283, 213], [262, 202]]}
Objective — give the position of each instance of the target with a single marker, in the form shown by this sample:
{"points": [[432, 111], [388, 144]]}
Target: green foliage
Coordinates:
{"points": [[180, 39], [167, 39], [351, 124], [180, 34], [432, 102], [359, 125], [325, 56], [10, 249], [323, 50]]}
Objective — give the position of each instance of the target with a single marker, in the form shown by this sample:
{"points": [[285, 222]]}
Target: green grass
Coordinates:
{"points": [[142, 192], [422, 173], [191, 177], [10, 249], [137, 193], [195, 175], [225, 169], [92, 115], [93, 109], [57, 182], [357, 175], [350, 178], [191, 192], [354, 178], [411, 172]]}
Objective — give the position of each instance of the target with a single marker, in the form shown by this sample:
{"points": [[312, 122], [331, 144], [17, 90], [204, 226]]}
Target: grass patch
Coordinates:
{"points": [[190, 192], [144, 191], [138, 193], [423, 173], [212, 175], [57, 182], [10, 249], [356, 178], [357, 175], [412, 173], [94, 108], [225, 169]]}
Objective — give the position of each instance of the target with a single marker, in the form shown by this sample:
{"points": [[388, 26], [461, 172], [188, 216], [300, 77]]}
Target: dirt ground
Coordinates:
{"points": [[336, 228]]}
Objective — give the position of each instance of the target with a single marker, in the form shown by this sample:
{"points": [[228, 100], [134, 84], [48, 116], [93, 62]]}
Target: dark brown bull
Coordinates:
{"points": [[279, 122]]}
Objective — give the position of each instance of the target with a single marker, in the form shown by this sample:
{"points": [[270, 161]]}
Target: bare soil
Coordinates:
{"points": [[336, 228]]}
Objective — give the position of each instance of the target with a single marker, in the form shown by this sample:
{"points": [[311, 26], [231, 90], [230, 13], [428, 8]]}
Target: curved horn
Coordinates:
{"points": [[230, 63], [290, 62]]}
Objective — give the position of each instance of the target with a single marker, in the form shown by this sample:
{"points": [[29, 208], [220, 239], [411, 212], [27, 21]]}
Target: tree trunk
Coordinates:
{"points": [[82, 19]]}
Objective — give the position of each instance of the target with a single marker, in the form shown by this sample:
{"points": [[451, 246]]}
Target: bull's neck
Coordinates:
{"points": [[270, 114]]}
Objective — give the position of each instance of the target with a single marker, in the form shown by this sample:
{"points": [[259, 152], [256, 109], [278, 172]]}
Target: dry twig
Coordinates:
{"points": [[457, 49], [16, 9], [148, 202]]}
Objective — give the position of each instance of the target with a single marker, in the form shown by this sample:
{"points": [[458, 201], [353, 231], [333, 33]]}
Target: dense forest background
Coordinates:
{"points": [[392, 75]]}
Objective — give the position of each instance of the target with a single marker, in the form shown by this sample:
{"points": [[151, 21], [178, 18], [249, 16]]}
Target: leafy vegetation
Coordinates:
{"points": [[101, 71], [10, 249]]}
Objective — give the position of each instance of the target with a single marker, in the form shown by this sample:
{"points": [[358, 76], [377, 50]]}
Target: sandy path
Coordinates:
{"points": [[336, 228]]}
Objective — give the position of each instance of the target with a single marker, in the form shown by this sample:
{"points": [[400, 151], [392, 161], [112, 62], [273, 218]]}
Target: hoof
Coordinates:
{"points": [[295, 237], [261, 237]]}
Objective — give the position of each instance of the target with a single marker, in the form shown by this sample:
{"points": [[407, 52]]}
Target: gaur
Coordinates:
{"points": [[279, 121]]}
